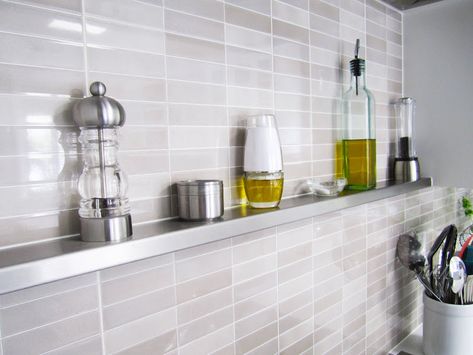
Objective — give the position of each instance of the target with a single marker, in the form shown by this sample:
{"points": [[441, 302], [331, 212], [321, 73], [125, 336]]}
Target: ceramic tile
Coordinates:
{"points": [[254, 98], [138, 307], [132, 88], [40, 81], [141, 330], [187, 47], [239, 36], [104, 33], [203, 285], [323, 9], [254, 268], [201, 265], [136, 284], [205, 325], [285, 48], [34, 228], [263, 6], [199, 307], [291, 32], [196, 115], [21, 19], [20, 318], [90, 346], [159, 344], [73, 5], [183, 69], [183, 160], [54, 335], [254, 286], [205, 8], [195, 93], [244, 18], [25, 50], [248, 58], [257, 321], [291, 13], [193, 26], [256, 339], [125, 62], [322, 24], [291, 84], [140, 13], [209, 343]]}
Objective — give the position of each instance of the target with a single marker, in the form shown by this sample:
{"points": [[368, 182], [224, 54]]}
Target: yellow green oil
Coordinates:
{"points": [[356, 161], [263, 193]]}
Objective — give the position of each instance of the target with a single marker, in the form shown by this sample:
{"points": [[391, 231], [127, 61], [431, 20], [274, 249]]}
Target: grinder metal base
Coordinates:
{"points": [[106, 229], [406, 170]]}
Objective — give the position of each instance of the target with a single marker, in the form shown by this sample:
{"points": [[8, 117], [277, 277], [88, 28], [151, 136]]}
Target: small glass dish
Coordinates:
{"points": [[327, 188]]}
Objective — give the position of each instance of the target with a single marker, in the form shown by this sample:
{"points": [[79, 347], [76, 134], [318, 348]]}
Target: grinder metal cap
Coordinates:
{"points": [[98, 110]]}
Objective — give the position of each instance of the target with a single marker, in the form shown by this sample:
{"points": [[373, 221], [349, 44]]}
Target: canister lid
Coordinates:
{"points": [[199, 187], [406, 100], [98, 110]]}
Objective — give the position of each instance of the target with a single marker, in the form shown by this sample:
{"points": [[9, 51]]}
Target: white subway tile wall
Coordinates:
{"points": [[325, 285], [188, 73]]}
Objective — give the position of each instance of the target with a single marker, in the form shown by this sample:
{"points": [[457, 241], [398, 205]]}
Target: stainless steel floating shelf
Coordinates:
{"points": [[43, 262]]}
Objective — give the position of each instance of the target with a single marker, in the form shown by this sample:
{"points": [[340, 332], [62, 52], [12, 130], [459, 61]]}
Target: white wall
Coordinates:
{"points": [[438, 57]]}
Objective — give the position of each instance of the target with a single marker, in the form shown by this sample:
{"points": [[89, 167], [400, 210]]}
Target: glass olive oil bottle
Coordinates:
{"points": [[356, 148]]}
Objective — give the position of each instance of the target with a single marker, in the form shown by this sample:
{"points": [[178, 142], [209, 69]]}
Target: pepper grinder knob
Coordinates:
{"points": [[97, 88]]}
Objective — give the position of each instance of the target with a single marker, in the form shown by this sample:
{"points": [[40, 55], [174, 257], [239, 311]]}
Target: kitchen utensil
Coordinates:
{"points": [[408, 252], [465, 245], [449, 247], [468, 290], [104, 207], [430, 257], [406, 164], [448, 251], [457, 272], [200, 200]]}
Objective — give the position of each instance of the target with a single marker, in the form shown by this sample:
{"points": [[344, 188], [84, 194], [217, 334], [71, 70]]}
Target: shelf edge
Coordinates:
{"points": [[26, 266]]}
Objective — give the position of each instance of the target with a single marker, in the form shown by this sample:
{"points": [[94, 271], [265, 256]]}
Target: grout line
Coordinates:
{"points": [[171, 203], [45, 8], [135, 297], [84, 49], [49, 67], [53, 351], [111, 20], [100, 309], [176, 319], [69, 290]]}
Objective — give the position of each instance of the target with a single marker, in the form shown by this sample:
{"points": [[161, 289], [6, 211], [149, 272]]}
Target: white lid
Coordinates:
{"points": [[262, 146]]}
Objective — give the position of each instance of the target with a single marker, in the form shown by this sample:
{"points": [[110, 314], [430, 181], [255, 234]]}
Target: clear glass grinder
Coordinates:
{"points": [[104, 206]]}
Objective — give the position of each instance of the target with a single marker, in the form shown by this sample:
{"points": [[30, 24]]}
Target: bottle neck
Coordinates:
{"points": [[359, 81]]}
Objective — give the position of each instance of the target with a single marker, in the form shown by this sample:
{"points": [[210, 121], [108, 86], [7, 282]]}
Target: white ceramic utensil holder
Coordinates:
{"points": [[447, 328]]}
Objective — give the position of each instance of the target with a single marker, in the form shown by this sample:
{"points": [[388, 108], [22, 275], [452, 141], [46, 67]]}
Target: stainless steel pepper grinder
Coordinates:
{"points": [[104, 208], [406, 164]]}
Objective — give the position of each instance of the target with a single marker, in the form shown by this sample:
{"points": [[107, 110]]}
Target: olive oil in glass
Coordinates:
{"points": [[264, 190], [359, 163], [263, 168], [356, 148]]}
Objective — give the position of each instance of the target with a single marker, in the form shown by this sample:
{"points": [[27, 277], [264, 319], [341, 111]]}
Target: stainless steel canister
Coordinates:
{"points": [[200, 200]]}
